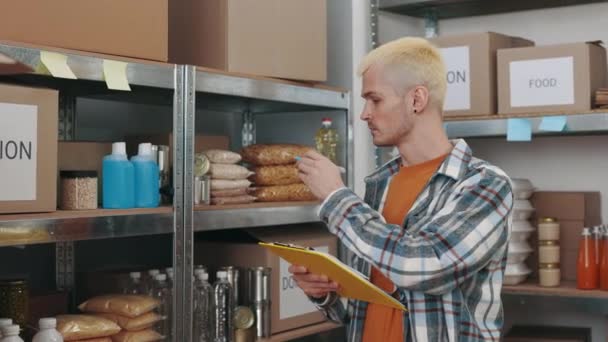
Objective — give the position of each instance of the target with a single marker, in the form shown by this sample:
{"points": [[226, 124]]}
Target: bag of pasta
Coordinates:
{"points": [[243, 199], [124, 305], [276, 175], [82, 327], [283, 193], [137, 336], [142, 322], [273, 154], [101, 339]]}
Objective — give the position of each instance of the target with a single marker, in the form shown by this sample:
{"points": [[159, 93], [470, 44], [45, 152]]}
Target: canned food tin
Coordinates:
{"points": [[243, 317], [14, 300], [262, 319], [244, 335]]}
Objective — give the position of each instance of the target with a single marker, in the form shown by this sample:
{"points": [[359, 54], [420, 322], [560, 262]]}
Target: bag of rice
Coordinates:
{"points": [[79, 327], [124, 305], [229, 184], [229, 193], [222, 156], [244, 199], [229, 171], [101, 339], [142, 322]]}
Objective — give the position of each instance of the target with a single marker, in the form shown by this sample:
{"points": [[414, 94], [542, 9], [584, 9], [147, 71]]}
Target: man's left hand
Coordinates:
{"points": [[320, 174]]}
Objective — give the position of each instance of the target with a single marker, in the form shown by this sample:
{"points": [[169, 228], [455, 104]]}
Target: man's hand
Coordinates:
{"points": [[320, 174], [317, 286]]}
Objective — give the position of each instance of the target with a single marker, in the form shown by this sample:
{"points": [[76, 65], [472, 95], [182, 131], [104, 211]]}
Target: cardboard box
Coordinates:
{"points": [[201, 142], [471, 71], [83, 155], [548, 334], [275, 38], [28, 149], [290, 307], [550, 78]]}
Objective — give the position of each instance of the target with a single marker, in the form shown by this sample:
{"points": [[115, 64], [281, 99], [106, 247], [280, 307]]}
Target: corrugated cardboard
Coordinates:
{"points": [[275, 38], [589, 74], [481, 73], [83, 155], [46, 101], [574, 211], [249, 254]]}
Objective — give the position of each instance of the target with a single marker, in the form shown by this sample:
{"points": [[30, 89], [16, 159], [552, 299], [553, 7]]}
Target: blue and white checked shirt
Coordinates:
{"points": [[448, 258]]}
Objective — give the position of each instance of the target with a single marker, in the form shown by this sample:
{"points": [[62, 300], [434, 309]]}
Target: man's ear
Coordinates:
{"points": [[420, 98]]}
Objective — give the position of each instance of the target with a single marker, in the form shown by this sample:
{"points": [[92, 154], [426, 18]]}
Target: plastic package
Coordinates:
{"points": [[223, 157], [282, 193], [230, 193], [142, 322], [137, 336], [275, 154], [82, 327], [229, 171], [229, 184], [101, 339], [243, 199], [276, 175], [124, 305]]}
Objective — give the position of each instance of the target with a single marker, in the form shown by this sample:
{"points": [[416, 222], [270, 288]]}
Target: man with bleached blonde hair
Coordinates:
{"points": [[433, 227]]}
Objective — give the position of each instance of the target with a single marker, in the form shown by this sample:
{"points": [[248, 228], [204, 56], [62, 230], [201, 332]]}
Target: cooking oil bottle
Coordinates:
{"points": [[326, 140]]}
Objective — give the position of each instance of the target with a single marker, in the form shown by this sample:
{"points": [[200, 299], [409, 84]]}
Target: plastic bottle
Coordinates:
{"points": [[3, 323], [587, 271], [10, 333], [135, 284], [326, 140], [604, 262], [223, 308], [597, 242], [170, 275], [48, 331], [118, 179], [203, 299], [147, 194], [163, 293], [149, 282]]}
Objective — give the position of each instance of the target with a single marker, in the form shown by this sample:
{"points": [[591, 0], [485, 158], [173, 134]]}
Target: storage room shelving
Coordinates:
{"points": [[186, 88]]}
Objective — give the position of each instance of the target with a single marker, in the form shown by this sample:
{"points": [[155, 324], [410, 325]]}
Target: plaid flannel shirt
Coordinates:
{"points": [[447, 260]]}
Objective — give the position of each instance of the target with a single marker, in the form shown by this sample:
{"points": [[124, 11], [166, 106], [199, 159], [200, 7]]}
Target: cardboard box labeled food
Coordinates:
{"points": [[83, 155], [290, 307], [275, 38], [28, 149], [550, 78], [471, 71]]}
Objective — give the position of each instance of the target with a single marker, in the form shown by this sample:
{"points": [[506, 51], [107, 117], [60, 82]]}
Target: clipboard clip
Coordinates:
{"points": [[290, 245]]}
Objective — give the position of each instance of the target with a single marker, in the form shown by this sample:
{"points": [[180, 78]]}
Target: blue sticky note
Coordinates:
{"points": [[519, 130], [553, 123]]}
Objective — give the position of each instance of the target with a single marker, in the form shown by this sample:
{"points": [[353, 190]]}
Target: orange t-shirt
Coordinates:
{"points": [[383, 323]]}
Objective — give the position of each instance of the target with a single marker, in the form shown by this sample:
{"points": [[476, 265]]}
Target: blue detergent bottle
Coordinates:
{"points": [[147, 194], [118, 187]]}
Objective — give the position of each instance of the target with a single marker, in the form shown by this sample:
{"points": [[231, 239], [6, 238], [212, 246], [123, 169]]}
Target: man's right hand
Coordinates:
{"points": [[314, 285]]}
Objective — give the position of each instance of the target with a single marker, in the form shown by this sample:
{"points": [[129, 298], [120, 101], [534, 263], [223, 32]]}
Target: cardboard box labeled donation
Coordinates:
{"points": [[551, 78], [471, 71], [28, 149], [290, 307]]}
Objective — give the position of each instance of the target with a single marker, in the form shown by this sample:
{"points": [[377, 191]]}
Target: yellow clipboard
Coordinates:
{"points": [[352, 283]]}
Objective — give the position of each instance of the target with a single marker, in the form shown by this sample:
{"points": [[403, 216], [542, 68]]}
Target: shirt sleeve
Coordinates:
{"points": [[454, 244]]}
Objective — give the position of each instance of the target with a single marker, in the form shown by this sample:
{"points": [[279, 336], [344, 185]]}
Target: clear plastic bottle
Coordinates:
{"points": [[10, 333], [203, 299], [326, 140], [135, 284], [163, 293], [147, 194], [170, 275], [149, 282], [3, 323], [48, 331], [118, 189], [223, 308]]}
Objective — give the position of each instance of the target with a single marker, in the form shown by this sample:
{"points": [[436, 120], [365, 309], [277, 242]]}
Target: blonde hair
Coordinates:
{"points": [[418, 62]]}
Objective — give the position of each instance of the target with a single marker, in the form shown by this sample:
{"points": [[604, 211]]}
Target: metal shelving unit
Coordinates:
{"points": [[190, 88]]}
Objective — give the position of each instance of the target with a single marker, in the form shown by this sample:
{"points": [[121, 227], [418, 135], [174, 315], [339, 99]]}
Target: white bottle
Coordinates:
{"points": [[134, 286], [11, 334], [3, 323], [150, 282], [48, 331]]}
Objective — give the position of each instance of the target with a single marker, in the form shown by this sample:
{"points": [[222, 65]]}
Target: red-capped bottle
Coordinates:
{"points": [[587, 271]]}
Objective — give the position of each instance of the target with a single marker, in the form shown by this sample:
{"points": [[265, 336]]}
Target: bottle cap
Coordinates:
{"points": [[198, 271], [119, 148], [135, 275], [202, 276], [222, 275], [144, 149], [5, 321], [161, 277], [10, 330], [47, 323], [586, 232], [153, 272]]}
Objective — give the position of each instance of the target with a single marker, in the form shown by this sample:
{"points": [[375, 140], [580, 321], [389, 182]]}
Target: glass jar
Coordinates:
{"points": [[14, 300], [78, 190], [549, 275], [548, 229], [548, 252]]}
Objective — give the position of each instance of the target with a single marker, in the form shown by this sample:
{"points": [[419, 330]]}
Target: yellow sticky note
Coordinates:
{"points": [[57, 64], [115, 74]]}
